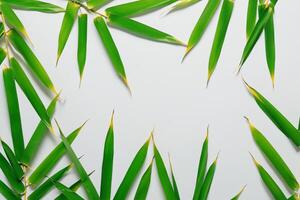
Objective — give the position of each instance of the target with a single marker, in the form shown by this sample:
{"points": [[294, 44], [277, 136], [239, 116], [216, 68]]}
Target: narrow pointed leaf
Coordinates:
{"points": [[143, 187], [255, 34], [201, 168], [163, 176], [66, 26], [273, 156], [51, 160], [13, 111], [236, 197], [30, 92], [11, 176], [142, 30], [87, 183], [107, 163], [275, 116], [12, 160], [110, 48], [174, 183], [182, 4], [205, 188], [7, 192], [138, 7], [220, 34], [2, 55], [251, 16], [48, 185], [82, 40], [1, 29], [203, 22], [270, 183], [68, 193], [38, 135], [12, 19], [96, 4], [132, 172], [34, 64], [34, 5]]}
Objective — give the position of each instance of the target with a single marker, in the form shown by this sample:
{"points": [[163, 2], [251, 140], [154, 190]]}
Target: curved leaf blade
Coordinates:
{"points": [[96, 4], [251, 16], [68, 193], [236, 197], [143, 187], [82, 40], [182, 4], [34, 5], [7, 192]]}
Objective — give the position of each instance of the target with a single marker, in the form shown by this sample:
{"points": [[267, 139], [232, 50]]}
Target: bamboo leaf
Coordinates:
{"points": [[201, 168], [205, 188], [236, 197], [34, 5], [7, 192], [1, 29], [39, 133], [66, 26], [30, 92], [71, 195], [269, 44], [111, 48], [13, 111], [2, 55], [12, 160], [96, 4], [224, 19], [175, 187], [13, 20], [255, 34], [269, 182], [273, 156], [251, 16], [36, 67], [202, 24], [275, 116], [46, 187], [107, 163], [133, 171], [163, 176], [182, 4], [138, 7], [82, 40], [86, 181], [142, 30], [143, 187], [51, 160], [10, 175]]}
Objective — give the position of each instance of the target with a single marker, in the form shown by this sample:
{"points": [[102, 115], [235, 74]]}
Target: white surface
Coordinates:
{"points": [[170, 97]]}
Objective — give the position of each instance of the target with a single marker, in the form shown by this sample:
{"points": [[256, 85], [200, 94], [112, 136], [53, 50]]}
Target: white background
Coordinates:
{"points": [[170, 97]]}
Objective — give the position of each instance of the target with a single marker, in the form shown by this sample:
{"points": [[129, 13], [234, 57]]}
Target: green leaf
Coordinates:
{"points": [[47, 186], [82, 40], [182, 4], [174, 183], [51, 160], [269, 44], [107, 163], [224, 19], [1, 29], [269, 182], [34, 5], [163, 176], [273, 156], [12, 19], [236, 197], [37, 137], [251, 16], [13, 111], [203, 22], [7, 192], [12, 160], [132, 172], [71, 195], [30, 92], [275, 116], [96, 4], [142, 30], [143, 187], [205, 188], [86, 181], [66, 26], [36, 67], [111, 48], [2, 55], [138, 7], [255, 34], [201, 168], [10, 175]]}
